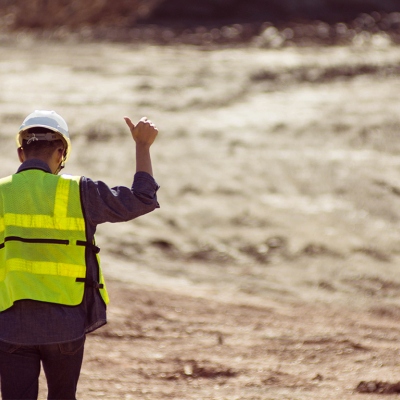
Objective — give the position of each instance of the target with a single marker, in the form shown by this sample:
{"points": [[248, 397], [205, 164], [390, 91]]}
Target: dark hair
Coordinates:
{"points": [[43, 148]]}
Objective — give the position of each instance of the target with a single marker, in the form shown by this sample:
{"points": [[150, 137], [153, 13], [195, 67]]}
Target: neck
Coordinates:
{"points": [[54, 167]]}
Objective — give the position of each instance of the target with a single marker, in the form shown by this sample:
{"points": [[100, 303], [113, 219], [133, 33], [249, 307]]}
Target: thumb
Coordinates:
{"points": [[129, 123]]}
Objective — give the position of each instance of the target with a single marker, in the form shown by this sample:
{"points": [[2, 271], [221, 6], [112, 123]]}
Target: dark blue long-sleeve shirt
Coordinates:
{"points": [[30, 322]]}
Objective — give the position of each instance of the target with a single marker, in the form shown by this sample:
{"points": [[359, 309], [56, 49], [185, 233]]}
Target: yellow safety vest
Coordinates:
{"points": [[43, 240]]}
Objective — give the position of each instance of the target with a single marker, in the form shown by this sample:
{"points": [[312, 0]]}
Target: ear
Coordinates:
{"points": [[59, 154], [21, 154]]}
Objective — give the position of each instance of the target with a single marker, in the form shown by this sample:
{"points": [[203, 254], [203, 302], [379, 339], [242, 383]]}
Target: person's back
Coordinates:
{"points": [[52, 292]]}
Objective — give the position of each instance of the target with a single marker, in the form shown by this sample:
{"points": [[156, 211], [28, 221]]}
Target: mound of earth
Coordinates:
{"points": [[204, 11], [42, 14]]}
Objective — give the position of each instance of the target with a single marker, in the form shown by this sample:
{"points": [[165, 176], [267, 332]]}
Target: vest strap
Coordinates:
{"points": [[91, 246], [89, 283], [26, 240]]}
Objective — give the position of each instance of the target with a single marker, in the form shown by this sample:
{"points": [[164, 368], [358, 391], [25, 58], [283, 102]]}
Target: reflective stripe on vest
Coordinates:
{"points": [[43, 240]]}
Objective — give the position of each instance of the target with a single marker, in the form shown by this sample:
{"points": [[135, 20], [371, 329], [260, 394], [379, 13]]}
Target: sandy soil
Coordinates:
{"points": [[271, 269]]}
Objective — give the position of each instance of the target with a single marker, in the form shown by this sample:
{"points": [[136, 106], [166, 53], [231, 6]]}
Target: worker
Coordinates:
{"points": [[52, 290]]}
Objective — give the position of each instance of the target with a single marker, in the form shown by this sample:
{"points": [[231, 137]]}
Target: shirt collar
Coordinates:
{"points": [[34, 164]]}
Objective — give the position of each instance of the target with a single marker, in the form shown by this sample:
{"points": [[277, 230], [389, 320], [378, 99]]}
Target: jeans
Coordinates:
{"points": [[20, 370]]}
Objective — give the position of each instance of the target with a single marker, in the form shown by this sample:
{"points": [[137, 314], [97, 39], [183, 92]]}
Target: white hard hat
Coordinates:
{"points": [[49, 120]]}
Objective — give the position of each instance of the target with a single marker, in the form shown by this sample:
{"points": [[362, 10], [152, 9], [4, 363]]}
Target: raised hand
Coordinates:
{"points": [[144, 132]]}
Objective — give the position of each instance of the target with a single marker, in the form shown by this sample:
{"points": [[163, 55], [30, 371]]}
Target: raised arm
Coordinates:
{"points": [[144, 134]]}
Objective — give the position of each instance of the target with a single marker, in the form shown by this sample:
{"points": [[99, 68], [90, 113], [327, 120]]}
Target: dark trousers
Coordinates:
{"points": [[20, 370]]}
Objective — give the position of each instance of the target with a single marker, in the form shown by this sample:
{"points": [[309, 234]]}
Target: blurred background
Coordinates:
{"points": [[279, 132]]}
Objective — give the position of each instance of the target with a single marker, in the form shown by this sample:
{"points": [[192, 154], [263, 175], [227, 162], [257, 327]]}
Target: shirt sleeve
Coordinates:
{"points": [[118, 204]]}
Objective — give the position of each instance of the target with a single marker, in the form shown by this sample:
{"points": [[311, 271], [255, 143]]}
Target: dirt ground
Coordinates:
{"points": [[271, 269], [164, 345]]}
